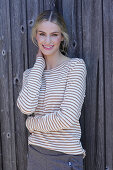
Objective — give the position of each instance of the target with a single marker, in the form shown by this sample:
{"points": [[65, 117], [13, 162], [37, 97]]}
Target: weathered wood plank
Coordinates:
{"points": [[7, 143], [1, 161], [94, 114], [20, 63], [108, 74]]}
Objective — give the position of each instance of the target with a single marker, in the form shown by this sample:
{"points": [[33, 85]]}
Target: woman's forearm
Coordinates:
{"points": [[27, 100]]}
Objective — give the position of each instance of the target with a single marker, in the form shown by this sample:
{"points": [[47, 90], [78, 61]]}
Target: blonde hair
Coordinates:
{"points": [[55, 17]]}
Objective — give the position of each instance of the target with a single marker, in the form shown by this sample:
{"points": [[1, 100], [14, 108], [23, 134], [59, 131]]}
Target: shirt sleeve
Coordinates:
{"points": [[70, 109], [27, 100]]}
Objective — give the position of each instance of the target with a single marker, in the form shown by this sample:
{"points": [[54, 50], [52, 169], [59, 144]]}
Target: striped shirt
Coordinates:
{"points": [[53, 100]]}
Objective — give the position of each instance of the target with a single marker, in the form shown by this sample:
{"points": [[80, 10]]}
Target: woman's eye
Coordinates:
{"points": [[42, 34], [54, 34]]}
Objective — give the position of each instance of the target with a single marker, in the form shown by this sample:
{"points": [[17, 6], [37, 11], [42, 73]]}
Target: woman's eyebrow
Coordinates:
{"points": [[51, 32]]}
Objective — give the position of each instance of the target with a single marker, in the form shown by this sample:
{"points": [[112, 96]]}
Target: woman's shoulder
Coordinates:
{"points": [[77, 65], [77, 62]]}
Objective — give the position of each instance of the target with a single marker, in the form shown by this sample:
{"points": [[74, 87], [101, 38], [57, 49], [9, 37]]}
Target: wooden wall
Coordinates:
{"points": [[90, 26]]}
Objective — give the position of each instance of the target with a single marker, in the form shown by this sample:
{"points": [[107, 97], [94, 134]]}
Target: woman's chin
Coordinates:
{"points": [[48, 53]]}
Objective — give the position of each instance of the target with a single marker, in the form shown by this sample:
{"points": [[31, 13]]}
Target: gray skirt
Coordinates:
{"points": [[40, 158]]}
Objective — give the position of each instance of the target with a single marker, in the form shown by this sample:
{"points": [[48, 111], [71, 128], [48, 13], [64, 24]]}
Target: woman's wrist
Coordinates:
{"points": [[40, 61]]}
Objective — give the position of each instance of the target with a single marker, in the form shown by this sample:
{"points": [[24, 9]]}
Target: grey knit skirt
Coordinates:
{"points": [[40, 158]]}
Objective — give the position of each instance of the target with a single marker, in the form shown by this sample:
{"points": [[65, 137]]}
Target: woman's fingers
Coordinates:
{"points": [[39, 53]]}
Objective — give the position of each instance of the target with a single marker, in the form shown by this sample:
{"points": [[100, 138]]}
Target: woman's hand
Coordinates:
{"points": [[39, 53]]}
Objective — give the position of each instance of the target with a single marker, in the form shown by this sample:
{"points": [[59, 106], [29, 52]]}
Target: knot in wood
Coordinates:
{"points": [[74, 44], [3, 52], [8, 135], [22, 29], [16, 80], [31, 22]]}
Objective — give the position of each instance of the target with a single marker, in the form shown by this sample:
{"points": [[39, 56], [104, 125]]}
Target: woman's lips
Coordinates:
{"points": [[47, 47]]}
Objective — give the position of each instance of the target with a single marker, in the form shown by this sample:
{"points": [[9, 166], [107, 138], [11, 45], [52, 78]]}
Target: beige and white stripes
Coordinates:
{"points": [[55, 97]]}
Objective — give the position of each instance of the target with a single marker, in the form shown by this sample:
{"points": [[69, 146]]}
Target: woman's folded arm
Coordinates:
{"points": [[70, 109]]}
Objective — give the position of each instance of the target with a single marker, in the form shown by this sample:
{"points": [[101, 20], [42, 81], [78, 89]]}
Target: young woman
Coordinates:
{"points": [[52, 96]]}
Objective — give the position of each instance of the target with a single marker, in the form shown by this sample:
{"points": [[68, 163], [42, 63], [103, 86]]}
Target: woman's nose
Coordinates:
{"points": [[48, 39]]}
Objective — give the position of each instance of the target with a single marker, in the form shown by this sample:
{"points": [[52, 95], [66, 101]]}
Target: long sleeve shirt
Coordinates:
{"points": [[53, 100]]}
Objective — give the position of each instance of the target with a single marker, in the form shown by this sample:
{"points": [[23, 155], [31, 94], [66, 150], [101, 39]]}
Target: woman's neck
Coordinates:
{"points": [[53, 60]]}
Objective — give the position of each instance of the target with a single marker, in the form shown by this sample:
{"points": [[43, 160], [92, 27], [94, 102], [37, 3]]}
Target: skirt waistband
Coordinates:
{"points": [[50, 152]]}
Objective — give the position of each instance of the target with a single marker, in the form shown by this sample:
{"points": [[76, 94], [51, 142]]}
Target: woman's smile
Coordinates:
{"points": [[46, 47]]}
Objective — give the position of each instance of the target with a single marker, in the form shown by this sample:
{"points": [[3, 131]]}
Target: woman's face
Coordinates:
{"points": [[49, 37]]}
